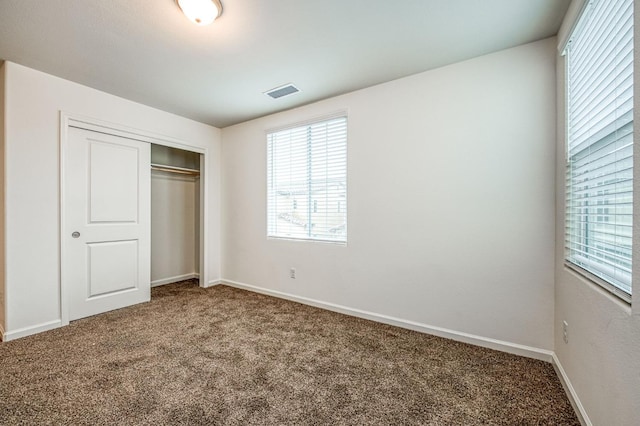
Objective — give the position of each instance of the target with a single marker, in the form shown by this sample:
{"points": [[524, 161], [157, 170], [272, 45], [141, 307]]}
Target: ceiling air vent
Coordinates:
{"points": [[279, 92]]}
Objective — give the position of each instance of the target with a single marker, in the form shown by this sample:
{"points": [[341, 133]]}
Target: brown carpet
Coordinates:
{"points": [[230, 357]]}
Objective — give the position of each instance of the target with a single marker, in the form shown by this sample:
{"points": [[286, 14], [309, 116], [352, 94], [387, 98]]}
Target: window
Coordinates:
{"points": [[307, 181], [599, 179]]}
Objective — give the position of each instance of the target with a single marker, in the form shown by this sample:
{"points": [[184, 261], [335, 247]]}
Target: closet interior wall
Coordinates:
{"points": [[175, 207]]}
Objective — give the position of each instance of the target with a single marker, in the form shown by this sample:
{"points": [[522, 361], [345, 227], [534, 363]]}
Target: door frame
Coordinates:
{"points": [[88, 123]]}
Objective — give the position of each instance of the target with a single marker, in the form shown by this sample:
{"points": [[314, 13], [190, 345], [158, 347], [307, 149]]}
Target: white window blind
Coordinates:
{"points": [[599, 184], [307, 181]]}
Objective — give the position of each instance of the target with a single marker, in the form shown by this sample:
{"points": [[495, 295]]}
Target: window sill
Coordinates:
{"points": [[609, 290], [307, 240]]}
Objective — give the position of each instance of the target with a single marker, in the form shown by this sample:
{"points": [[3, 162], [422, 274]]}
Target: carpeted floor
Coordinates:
{"points": [[223, 356]]}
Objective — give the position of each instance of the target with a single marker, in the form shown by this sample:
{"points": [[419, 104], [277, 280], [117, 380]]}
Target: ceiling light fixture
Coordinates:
{"points": [[201, 12]]}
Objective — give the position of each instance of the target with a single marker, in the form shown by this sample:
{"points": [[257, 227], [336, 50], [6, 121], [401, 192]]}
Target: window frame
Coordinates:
{"points": [[342, 204], [568, 264]]}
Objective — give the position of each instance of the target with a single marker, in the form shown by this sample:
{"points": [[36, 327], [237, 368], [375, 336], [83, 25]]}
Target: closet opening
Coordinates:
{"points": [[175, 215], [133, 214]]}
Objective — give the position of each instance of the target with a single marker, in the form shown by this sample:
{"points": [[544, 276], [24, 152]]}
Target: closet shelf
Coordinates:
{"points": [[173, 169]]}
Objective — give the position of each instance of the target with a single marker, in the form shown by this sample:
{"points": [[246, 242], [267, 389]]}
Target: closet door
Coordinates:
{"points": [[106, 263]]}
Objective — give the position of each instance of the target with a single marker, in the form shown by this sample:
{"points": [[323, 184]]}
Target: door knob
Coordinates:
{"points": [[76, 234]]}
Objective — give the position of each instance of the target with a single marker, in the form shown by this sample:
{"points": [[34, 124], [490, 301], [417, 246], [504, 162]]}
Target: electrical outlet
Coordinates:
{"points": [[565, 331], [292, 273]]}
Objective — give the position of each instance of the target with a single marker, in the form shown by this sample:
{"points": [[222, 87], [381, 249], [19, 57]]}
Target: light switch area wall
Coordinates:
{"points": [[174, 218], [600, 355]]}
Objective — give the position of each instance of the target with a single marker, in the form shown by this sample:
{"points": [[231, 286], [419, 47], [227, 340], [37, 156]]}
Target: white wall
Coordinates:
{"points": [[450, 201], [33, 104], [2, 206], [173, 227], [602, 358]]}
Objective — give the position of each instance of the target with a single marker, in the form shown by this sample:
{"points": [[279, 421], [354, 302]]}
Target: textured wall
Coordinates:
{"points": [[601, 358], [450, 201]]}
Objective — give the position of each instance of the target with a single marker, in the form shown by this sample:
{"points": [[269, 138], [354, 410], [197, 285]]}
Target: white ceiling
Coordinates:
{"points": [[147, 51]]}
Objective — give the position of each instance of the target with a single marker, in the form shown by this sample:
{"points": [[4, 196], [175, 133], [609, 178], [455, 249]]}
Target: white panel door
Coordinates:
{"points": [[107, 221]]}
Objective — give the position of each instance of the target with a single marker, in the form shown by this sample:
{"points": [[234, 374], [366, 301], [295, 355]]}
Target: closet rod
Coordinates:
{"points": [[173, 169]]}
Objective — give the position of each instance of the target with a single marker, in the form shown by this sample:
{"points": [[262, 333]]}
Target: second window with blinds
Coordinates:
{"points": [[599, 197], [307, 181]]}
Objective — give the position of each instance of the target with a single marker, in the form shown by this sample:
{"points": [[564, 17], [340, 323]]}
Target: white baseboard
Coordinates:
{"points": [[571, 393], [486, 342], [27, 331], [170, 280], [213, 283]]}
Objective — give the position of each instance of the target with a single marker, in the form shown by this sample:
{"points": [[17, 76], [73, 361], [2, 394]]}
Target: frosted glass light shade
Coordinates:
{"points": [[201, 12]]}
